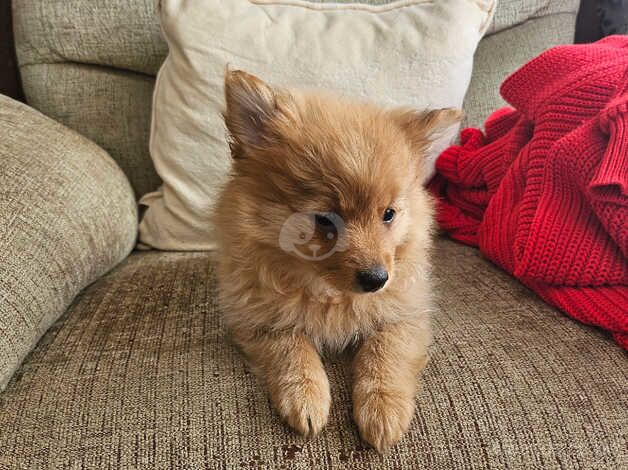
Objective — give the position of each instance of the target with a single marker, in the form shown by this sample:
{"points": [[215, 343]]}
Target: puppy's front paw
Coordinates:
{"points": [[383, 416], [304, 404]]}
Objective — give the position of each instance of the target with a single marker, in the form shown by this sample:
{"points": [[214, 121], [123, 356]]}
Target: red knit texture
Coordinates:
{"points": [[543, 192]]}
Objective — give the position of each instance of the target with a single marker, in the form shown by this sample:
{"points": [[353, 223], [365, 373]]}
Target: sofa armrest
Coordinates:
{"points": [[67, 216]]}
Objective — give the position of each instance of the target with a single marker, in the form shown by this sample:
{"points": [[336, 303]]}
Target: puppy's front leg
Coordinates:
{"points": [[385, 374], [292, 370]]}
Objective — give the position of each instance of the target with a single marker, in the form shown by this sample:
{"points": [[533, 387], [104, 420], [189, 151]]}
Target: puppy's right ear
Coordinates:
{"points": [[429, 131], [252, 105]]}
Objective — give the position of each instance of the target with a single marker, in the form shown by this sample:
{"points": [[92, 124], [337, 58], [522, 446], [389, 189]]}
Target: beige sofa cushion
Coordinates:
{"points": [[139, 375], [501, 54], [514, 12], [413, 53], [76, 54], [110, 107], [125, 34], [117, 33], [67, 216]]}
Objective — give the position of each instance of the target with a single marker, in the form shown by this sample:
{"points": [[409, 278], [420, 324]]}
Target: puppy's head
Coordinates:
{"points": [[328, 188]]}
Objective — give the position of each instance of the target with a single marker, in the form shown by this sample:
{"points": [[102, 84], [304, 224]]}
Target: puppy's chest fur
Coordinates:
{"points": [[331, 322]]}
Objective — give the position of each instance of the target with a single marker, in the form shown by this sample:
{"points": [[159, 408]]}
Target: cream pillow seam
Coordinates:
{"points": [[330, 6]]}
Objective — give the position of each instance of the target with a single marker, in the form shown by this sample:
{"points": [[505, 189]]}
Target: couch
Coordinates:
{"points": [[117, 358]]}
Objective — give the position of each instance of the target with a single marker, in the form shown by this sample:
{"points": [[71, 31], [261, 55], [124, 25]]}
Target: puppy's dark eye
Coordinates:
{"points": [[323, 221], [389, 215]]}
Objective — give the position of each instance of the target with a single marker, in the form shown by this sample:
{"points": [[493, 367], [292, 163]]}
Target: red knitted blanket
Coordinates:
{"points": [[543, 192]]}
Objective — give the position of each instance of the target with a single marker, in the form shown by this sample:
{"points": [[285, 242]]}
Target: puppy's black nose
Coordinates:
{"points": [[372, 279]]}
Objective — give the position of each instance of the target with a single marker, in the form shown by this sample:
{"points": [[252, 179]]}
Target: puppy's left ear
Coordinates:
{"points": [[252, 106], [429, 132]]}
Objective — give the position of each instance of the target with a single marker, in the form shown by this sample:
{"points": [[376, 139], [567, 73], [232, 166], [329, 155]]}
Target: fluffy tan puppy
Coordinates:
{"points": [[324, 243]]}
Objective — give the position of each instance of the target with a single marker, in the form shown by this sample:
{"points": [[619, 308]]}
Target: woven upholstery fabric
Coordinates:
{"points": [[108, 106], [67, 215], [514, 12], [139, 374], [124, 34], [501, 54]]}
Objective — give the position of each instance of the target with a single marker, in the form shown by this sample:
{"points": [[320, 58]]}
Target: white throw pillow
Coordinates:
{"points": [[404, 53]]}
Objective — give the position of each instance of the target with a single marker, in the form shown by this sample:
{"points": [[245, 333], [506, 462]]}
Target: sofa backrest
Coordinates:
{"points": [[92, 64]]}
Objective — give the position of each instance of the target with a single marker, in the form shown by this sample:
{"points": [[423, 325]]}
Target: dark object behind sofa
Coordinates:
{"points": [[613, 16], [9, 76]]}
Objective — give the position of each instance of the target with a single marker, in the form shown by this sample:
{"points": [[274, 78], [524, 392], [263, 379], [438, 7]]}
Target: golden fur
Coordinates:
{"points": [[296, 152]]}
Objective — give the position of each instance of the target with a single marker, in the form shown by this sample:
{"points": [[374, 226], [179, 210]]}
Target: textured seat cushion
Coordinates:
{"points": [[67, 216], [139, 374]]}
